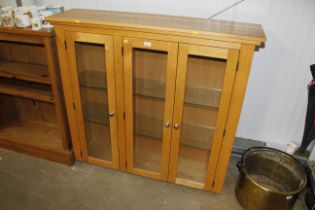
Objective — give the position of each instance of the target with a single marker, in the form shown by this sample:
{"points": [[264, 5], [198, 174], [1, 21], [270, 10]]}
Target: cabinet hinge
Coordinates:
{"points": [[124, 115], [66, 45], [224, 132], [122, 51], [73, 104], [237, 65]]}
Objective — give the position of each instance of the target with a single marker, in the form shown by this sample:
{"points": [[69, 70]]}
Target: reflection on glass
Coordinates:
{"points": [[149, 76], [93, 89], [204, 81]]}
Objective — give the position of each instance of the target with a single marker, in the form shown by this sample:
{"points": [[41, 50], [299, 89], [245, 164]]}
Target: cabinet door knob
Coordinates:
{"points": [[176, 126], [111, 114], [167, 124]]}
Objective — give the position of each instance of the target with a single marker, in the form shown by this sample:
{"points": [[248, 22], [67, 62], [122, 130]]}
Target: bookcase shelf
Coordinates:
{"points": [[24, 71], [32, 113]]}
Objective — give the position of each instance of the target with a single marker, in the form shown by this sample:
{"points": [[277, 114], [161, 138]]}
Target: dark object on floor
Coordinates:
{"points": [[309, 128], [310, 199], [310, 193], [269, 179]]}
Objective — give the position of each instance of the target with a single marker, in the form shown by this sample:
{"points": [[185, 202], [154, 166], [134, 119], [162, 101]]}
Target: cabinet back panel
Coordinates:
{"points": [[149, 64], [94, 95], [8, 109], [148, 107], [147, 154], [22, 52], [200, 116], [90, 57], [205, 72], [193, 163], [93, 78], [98, 141], [36, 111], [29, 122]]}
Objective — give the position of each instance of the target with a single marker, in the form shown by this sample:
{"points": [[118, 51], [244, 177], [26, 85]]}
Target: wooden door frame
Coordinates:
{"points": [[231, 56], [108, 43], [230, 71], [171, 48], [236, 102]]}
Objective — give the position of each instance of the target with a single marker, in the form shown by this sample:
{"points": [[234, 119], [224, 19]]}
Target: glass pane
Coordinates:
{"points": [[93, 90], [204, 82], [149, 76]]}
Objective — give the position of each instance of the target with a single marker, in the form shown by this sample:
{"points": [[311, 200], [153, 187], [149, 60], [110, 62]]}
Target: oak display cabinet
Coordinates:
{"points": [[157, 96], [32, 111]]}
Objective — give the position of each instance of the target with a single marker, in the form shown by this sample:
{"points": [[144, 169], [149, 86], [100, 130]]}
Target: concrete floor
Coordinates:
{"points": [[31, 183]]}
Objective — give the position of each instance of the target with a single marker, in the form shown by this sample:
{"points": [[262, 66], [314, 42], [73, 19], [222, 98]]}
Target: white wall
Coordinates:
{"points": [[276, 97], [275, 102], [5, 3]]}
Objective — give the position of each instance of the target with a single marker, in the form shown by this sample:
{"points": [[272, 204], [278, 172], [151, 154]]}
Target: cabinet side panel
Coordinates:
{"points": [[53, 67], [67, 89], [238, 93], [233, 56]]}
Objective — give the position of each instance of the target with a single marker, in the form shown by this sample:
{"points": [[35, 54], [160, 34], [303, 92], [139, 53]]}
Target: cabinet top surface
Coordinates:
{"points": [[27, 31], [194, 27]]}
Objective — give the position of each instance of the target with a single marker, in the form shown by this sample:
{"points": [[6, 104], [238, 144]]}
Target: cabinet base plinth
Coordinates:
{"points": [[66, 157]]}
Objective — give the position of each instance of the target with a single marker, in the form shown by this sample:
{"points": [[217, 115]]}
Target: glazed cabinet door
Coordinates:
{"points": [[91, 62], [149, 76], [204, 82]]}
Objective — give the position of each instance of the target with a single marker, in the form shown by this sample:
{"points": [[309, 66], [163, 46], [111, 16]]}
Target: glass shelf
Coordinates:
{"points": [[200, 106], [198, 136], [93, 86], [187, 143], [199, 97], [92, 120], [149, 97], [195, 135], [93, 79]]}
